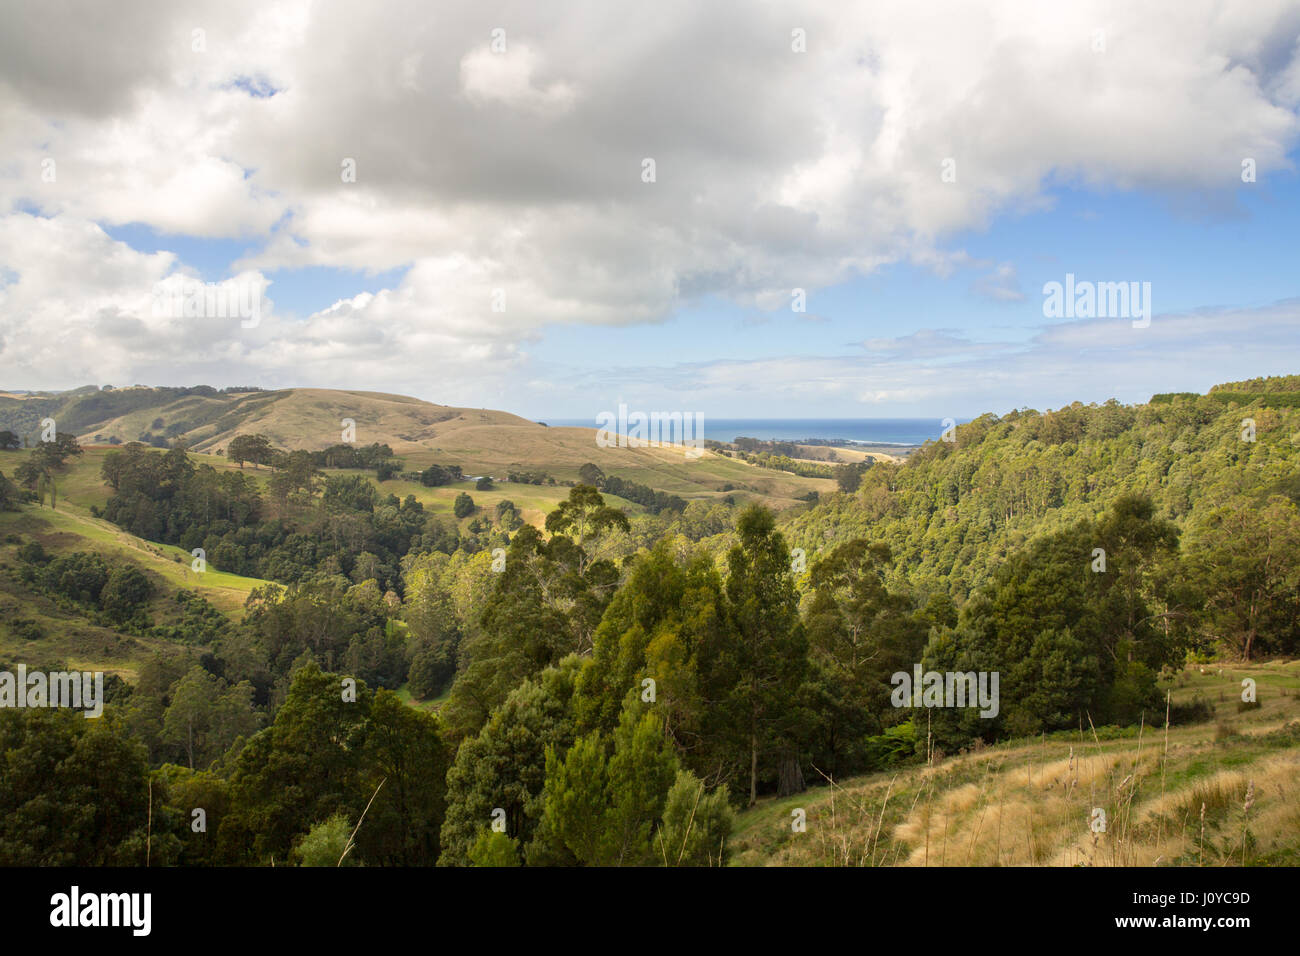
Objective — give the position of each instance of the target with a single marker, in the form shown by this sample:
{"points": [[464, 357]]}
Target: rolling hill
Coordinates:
{"points": [[38, 629], [481, 441]]}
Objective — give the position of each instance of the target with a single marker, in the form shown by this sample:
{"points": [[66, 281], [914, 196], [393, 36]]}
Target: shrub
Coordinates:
{"points": [[125, 591]]}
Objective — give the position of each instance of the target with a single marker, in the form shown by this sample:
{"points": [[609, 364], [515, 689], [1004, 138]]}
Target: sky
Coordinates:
{"points": [[850, 213]]}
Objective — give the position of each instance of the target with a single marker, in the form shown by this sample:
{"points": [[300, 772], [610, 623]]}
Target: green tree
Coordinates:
{"points": [[521, 628], [696, 825], [73, 792], [654, 629], [508, 516], [47, 462], [463, 506], [206, 715], [404, 763], [1246, 560], [606, 810], [126, 590], [324, 844], [253, 448], [584, 514], [849, 477], [303, 767], [641, 771], [758, 666], [177, 793], [433, 666], [10, 495], [504, 765], [859, 634], [576, 799], [493, 848], [349, 493], [1068, 640], [296, 480]]}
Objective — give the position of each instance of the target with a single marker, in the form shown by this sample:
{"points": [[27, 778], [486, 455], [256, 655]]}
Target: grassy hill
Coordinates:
{"points": [[82, 488], [68, 634], [1031, 802], [69, 529], [38, 630], [481, 441]]}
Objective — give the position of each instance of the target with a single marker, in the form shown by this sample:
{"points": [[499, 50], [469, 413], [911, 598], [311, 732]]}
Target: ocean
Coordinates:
{"points": [[903, 432]]}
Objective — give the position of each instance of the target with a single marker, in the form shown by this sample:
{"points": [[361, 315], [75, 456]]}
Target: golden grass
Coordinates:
{"points": [[1033, 802], [481, 441]]}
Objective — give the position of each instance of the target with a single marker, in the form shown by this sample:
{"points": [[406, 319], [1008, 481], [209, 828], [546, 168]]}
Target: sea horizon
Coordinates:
{"points": [[893, 432]]}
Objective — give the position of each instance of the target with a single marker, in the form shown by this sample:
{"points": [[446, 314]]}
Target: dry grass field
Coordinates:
{"points": [[481, 441], [1225, 792]]}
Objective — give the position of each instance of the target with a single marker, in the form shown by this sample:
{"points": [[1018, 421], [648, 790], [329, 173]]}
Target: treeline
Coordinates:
{"points": [[529, 478], [807, 469], [779, 456], [955, 510], [655, 502], [303, 525], [755, 446], [437, 475], [258, 450], [79, 792], [119, 592], [1270, 399], [593, 705], [1270, 383], [367, 457]]}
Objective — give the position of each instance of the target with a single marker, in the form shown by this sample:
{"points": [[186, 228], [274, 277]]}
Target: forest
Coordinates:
{"points": [[605, 688]]}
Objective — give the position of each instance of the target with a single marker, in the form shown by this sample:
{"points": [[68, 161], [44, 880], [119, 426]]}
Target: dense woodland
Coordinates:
{"points": [[613, 688]]}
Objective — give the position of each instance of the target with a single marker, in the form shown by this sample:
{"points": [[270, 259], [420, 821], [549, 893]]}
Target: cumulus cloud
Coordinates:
{"points": [[900, 127], [490, 76]]}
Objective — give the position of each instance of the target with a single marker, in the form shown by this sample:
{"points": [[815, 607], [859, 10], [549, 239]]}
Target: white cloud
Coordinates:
{"points": [[940, 374], [521, 170], [507, 77]]}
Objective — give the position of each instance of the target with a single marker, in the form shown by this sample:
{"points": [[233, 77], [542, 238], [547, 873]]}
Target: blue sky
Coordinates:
{"points": [[1236, 248], [474, 225]]}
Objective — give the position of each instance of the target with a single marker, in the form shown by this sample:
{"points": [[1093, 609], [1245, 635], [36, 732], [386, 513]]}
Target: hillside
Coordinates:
{"points": [[420, 433], [83, 488], [507, 643], [40, 629], [206, 419], [954, 511], [1032, 802]]}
